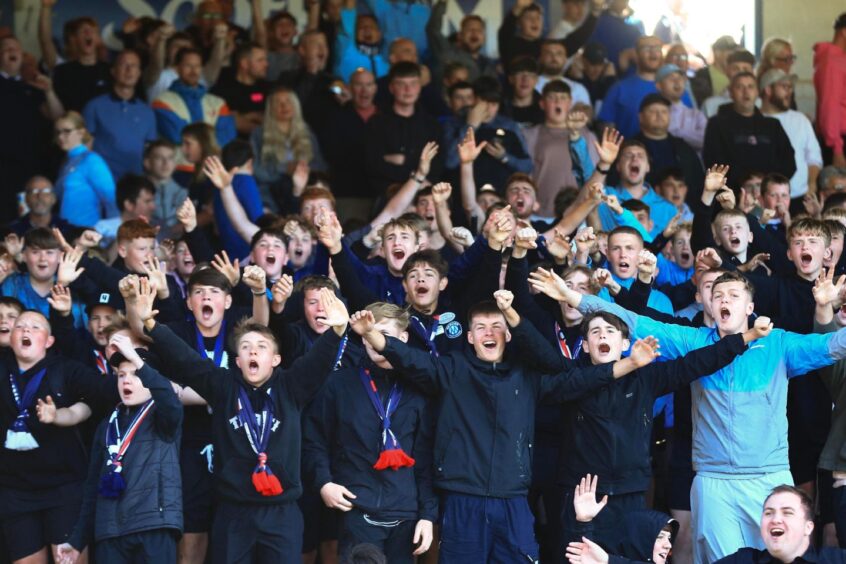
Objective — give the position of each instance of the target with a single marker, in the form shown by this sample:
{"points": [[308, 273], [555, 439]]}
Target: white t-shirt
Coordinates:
{"points": [[806, 148]]}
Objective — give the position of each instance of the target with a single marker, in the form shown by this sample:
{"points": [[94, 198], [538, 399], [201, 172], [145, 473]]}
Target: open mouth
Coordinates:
{"points": [[604, 348], [26, 341], [398, 254], [270, 259], [664, 555], [188, 262], [298, 253], [320, 318], [734, 241], [126, 392], [623, 266], [489, 345], [725, 313], [5, 329], [252, 367], [89, 41], [421, 290], [806, 259], [207, 311], [776, 532], [685, 257], [634, 169]]}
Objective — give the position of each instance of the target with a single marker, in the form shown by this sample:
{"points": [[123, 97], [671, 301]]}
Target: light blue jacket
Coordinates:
{"points": [[85, 188], [740, 412]]}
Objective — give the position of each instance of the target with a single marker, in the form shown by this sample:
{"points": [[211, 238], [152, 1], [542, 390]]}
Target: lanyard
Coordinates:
{"points": [[425, 333], [384, 411], [102, 365], [218, 343], [116, 444], [258, 432], [566, 350]]}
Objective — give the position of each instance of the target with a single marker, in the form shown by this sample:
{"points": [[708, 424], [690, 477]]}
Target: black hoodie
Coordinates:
{"points": [[747, 144], [635, 535]]}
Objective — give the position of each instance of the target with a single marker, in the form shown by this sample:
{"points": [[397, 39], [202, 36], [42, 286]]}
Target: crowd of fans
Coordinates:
{"points": [[354, 290]]}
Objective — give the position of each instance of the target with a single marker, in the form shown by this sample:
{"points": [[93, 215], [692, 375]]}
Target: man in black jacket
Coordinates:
{"points": [[483, 444], [396, 137], [743, 138], [368, 449], [608, 431], [257, 448], [786, 527], [666, 150]]}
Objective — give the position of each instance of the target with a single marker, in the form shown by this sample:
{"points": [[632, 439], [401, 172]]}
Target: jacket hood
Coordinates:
{"points": [[637, 532]]}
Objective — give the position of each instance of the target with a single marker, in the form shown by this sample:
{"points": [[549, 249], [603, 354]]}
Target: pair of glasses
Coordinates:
{"points": [[650, 48], [66, 131], [39, 191], [211, 16], [787, 59]]}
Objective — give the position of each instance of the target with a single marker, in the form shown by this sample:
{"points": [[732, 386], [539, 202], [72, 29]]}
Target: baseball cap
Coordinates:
{"points": [[487, 188], [653, 98], [594, 53], [667, 70], [773, 76]]}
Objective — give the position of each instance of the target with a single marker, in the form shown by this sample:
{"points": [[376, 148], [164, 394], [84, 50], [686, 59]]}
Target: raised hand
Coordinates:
{"points": [[468, 151], [300, 177], [584, 499], [362, 322], [46, 410], [715, 177], [336, 312], [430, 150], [217, 173], [502, 226], [585, 240], [726, 199], [124, 345], [576, 121], [549, 283], [129, 287], [330, 233], [826, 290], [157, 274], [647, 263], [187, 215], [462, 236], [812, 205], [60, 300], [231, 270], [89, 239], [767, 216], [756, 261], [612, 202], [706, 259], [68, 272], [336, 496], [526, 238], [280, 292], [255, 279], [596, 190], [609, 148], [441, 192], [503, 298], [760, 329], [559, 246], [644, 351], [672, 226], [143, 304]]}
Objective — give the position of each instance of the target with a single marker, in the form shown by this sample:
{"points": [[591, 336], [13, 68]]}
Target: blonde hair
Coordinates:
{"points": [[384, 310], [771, 49], [203, 133], [78, 123], [275, 142]]}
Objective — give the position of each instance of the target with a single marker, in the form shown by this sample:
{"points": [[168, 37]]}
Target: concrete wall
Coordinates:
{"points": [[803, 22]]}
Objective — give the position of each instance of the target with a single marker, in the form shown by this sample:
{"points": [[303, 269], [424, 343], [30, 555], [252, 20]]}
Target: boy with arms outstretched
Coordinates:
{"points": [[485, 428], [255, 428]]}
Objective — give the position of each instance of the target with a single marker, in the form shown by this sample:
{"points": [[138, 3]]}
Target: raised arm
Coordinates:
{"points": [[45, 35], [259, 28], [222, 179], [397, 205]]}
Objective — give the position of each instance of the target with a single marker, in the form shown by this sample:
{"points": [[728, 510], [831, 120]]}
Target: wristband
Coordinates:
{"points": [[600, 171], [262, 293]]}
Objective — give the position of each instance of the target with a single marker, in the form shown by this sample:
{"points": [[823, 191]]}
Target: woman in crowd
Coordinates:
{"points": [[85, 185]]}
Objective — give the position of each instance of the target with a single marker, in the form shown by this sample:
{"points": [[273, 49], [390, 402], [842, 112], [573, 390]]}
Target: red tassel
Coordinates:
{"points": [[260, 482], [394, 458], [274, 487]]}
